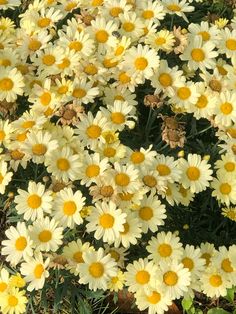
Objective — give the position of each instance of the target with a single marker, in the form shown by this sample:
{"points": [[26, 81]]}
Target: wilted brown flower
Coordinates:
{"points": [[7, 108], [70, 114], [153, 101], [173, 132], [181, 40]]}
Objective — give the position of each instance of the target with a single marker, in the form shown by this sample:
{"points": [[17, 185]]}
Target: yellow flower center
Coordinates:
{"points": [[124, 78], [221, 70], [93, 131], [147, 14], [38, 271], [34, 201], [2, 135], [174, 7], [142, 277], [39, 149], [44, 22], [92, 171], [126, 196], [146, 213], [16, 155], [3, 286], [193, 173], [149, 181], [96, 3], [70, 6], [188, 263], [107, 191], [69, 208], [102, 36], [21, 137], [205, 35], [229, 166], [170, 278], [3, 2], [163, 170], [198, 54], [45, 236], [226, 266], [76, 45], [122, 179], [1, 178], [165, 250], [109, 152], [128, 26], [6, 84], [65, 64], [165, 79], [141, 63], [96, 270], [114, 280], [12, 301], [160, 41], [215, 281], [117, 117], [48, 60], [126, 228], [108, 63], [225, 188], [183, 191], [77, 257], [115, 255], [119, 50], [154, 298], [137, 157], [184, 93], [106, 221], [202, 102], [119, 97], [34, 45], [115, 11], [207, 258], [63, 164], [226, 108], [79, 93], [28, 124], [231, 44], [45, 98], [20, 243], [63, 89], [5, 62], [91, 69]]}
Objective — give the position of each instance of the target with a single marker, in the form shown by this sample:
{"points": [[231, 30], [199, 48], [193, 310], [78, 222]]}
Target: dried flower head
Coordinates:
{"points": [[173, 131], [153, 101], [181, 40], [70, 114]]}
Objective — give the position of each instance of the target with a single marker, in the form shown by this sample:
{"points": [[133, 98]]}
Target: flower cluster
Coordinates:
{"points": [[84, 199]]}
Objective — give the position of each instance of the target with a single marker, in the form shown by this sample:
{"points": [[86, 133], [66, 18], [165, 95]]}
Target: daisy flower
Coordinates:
{"points": [[229, 213], [35, 271], [162, 40], [93, 168], [4, 280], [119, 254], [224, 189], [34, 202], [208, 33], [13, 301], [221, 260], [171, 193], [178, 7], [70, 62], [131, 25], [90, 129], [165, 79], [73, 252], [46, 234], [126, 178], [9, 89], [67, 206], [9, 4], [174, 279], [214, 283], [141, 61], [184, 95], [151, 11], [132, 230], [151, 213], [225, 110], [227, 42], [5, 176], [38, 145], [142, 157], [156, 301], [226, 165], [63, 164], [196, 173], [113, 8], [199, 54], [107, 221], [165, 247], [18, 245], [232, 255], [181, 40], [141, 275], [186, 195], [152, 180], [117, 282], [97, 269], [166, 167], [119, 115], [6, 129], [104, 189], [83, 92]]}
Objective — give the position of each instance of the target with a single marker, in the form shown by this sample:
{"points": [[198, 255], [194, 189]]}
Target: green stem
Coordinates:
{"points": [[202, 131]]}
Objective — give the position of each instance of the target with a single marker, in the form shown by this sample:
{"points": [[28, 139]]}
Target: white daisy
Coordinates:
{"points": [[225, 110], [214, 283], [9, 89], [5, 176], [224, 189]]}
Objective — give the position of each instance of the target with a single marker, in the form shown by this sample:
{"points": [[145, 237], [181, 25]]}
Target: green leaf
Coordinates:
{"points": [[230, 295], [198, 311], [187, 303], [217, 310]]}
